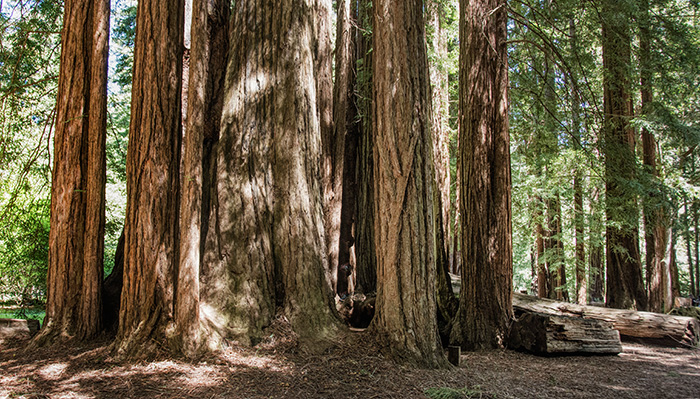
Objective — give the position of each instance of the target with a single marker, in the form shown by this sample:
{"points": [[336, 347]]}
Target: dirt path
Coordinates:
{"points": [[355, 369]]}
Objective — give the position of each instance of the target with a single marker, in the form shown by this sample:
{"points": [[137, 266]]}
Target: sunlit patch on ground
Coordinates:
{"points": [[353, 369]]}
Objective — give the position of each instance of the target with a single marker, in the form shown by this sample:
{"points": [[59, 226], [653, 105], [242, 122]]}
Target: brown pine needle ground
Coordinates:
{"points": [[353, 369]]}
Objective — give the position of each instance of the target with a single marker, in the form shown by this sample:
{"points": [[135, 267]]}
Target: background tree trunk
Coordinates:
{"points": [[365, 251], [485, 307], [596, 256], [153, 160], [347, 135], [208, 55], [266, 244], [625, 285], [579, 218], [76, 238], [440, 101], [404, 182]]}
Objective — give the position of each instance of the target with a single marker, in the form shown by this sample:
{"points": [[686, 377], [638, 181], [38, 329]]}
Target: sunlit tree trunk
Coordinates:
{"points": [[208, 55], [625, 285], [406, 305], [266, 243], [76, 238], [485, 307], [440, 101], [153, 160]]}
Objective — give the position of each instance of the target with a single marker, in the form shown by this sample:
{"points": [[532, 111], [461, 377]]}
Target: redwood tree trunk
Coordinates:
{"points": [[76, 239], [655, 216], [208, 55], [485, 307], [406, 305], [365, 251], [440, 102], [596, 256], [625, 285], [346, 136], [266, 243], [153, 160], [579, 218]]}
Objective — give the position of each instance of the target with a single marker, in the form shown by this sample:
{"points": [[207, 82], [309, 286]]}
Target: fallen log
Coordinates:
{"points": [[547, 334], [18, 328], [652, 327]]}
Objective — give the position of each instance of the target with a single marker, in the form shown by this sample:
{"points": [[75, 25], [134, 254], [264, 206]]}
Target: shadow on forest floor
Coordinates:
{"points": [[353, 369]]}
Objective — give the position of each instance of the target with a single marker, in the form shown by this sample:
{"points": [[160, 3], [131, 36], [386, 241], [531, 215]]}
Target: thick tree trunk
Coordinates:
{"points": [[365, 250], [405, 317], [153, 160], [625, 285], [485, 307], [208, 55], [266, 244], [76, 239], [655, 215]]}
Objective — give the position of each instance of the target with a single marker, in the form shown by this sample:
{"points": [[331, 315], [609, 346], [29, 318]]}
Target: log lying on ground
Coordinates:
{"points": [[653, 327], [18, 328], [547, 334]]}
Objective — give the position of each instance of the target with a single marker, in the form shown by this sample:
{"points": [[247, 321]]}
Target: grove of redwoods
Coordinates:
{"points": [[181, 174]]}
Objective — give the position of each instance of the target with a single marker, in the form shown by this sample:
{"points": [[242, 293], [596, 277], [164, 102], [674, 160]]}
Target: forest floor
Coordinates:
{"points": [[354, 368]]}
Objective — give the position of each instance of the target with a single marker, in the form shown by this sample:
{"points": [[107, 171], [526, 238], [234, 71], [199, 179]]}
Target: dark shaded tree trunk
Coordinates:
{"points": [[688, 247], [347, 134], [76, 238], [596, 256], [405, 318], [625, 285], [266, 243], [208, 56], [153, 160], [556, 264], [540, 262], [365, 250], [485, 304]]}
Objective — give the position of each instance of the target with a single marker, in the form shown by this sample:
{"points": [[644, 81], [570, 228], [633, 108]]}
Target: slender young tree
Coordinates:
{"points": [[208, 56], [625, 285], [266, 248], [153, 162], [485, 306], [404, 182], [76, 238]]}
